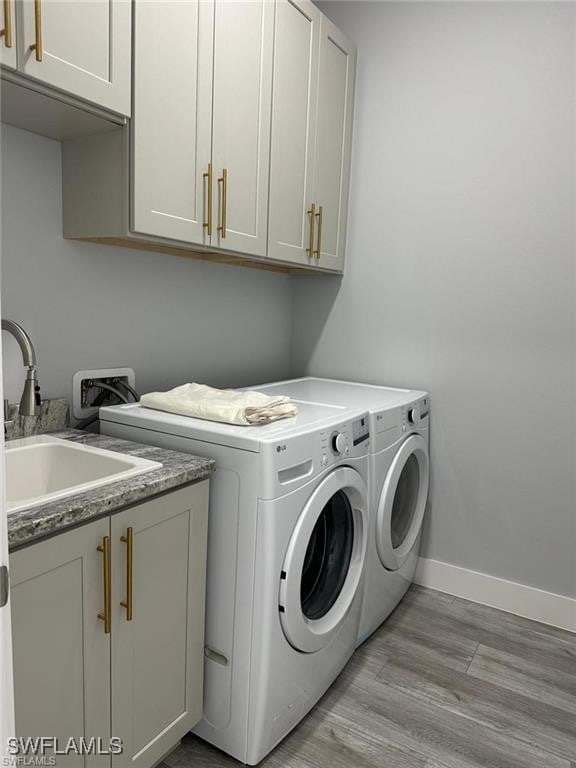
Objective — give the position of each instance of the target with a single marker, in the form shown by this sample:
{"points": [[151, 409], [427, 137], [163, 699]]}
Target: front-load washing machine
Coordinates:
{"points": [[286, 551], [398, 482]]}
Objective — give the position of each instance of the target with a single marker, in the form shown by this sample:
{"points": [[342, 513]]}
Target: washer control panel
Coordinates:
{"points": [[298, 458], [360, 431], [348, 439], [415, 414], [339, 443]]}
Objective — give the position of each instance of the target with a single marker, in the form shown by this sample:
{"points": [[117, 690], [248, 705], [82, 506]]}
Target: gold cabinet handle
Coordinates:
{"points": [[37, 46], [319, 240], [223, 202], [6, 33], [128, 603], [312, 213], [106, 615], [207, 225]]}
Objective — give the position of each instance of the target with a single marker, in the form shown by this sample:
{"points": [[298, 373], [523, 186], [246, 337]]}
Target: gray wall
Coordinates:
{"points": [[90, 306], [460, 274]]}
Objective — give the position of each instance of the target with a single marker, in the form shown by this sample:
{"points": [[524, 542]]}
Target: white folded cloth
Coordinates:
{"points": [[226, 405]]}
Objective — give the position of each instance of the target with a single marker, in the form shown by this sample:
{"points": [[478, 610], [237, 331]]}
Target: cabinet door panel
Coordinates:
{"points": [[333, 138], [86, 49], [243, 44], [61, 654], [297, 29], [8, 38], [171, 144], [157, 657]]}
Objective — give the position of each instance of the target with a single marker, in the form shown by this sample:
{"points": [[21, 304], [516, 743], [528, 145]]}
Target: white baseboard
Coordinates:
{"points": [[532, 603]]}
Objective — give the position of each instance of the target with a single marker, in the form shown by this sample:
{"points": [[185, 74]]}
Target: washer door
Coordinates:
{"points": [[324, 561], [402, 503]]}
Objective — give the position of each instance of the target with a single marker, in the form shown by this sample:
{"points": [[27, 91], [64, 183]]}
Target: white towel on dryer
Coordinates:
{"points": [[200, 401]]}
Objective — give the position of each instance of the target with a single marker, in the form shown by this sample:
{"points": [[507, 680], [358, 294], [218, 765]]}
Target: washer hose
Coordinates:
{"points": [[110, 388], [128, 387]]}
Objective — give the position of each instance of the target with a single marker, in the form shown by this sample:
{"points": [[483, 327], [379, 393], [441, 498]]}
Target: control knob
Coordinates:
{"points": [[414, 416], [339, 443]]}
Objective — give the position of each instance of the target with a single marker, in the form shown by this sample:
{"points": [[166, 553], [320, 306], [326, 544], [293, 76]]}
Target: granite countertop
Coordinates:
{"points": [[28, 525]]}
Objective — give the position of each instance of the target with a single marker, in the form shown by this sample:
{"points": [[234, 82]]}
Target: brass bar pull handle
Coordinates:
{"points": [[128, 603], [319, 241], [312, 213], [6, 33], [106, 615], [38, 30], [208, 224], [223, 202]]}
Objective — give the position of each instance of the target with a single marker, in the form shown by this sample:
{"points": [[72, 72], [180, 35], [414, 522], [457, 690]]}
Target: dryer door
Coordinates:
{"points": [[324, 561], [402, 502]]}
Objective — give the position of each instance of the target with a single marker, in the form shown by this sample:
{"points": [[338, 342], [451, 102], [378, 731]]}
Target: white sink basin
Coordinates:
{"points": [[44, 468]]}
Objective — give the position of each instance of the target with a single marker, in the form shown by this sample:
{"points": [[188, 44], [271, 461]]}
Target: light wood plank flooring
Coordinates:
{"points": [[444, 683]]}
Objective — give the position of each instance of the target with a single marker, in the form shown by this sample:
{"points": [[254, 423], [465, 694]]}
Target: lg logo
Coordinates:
{"points": [[280, 448]]}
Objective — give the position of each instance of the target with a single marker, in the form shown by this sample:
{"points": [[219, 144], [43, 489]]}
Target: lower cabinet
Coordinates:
{"points": [[158, 648], [108, 628], [61, 653]]}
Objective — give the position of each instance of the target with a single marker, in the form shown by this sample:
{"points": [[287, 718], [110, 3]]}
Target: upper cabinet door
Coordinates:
{"points": [[8, 34], [171, 147], [335, 105], [82, 48], [243, 47], [297, 30]]}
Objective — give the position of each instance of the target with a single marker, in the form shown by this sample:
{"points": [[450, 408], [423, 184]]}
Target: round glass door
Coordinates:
{"points": [[402, 503], [324, 561], [327, 557]]}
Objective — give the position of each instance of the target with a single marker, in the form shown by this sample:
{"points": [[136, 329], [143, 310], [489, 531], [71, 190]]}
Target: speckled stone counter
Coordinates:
{"points": [[53, 416], [28, 525]]}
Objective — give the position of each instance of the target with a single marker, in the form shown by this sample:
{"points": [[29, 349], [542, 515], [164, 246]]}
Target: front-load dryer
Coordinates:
{"points": [[398, 482], [286, 553]]}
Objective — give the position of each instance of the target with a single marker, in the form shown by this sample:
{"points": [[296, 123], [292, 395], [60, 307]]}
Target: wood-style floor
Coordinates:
{"points": [[444, 683]]}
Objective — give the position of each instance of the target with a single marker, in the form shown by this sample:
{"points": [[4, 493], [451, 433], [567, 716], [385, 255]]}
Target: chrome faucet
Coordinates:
{"points": [[31, 394]]}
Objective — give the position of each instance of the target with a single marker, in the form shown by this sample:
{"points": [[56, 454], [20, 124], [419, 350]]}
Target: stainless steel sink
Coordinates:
{"points": [[44, 468]]}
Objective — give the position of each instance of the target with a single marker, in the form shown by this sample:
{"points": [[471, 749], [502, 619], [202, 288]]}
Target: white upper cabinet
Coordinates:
{"points": [[243, 45], [335, 106], [314, 66], [239, 146], [293, 130], [8, 34], [200, 152], [81, 47], [172, 120]]}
